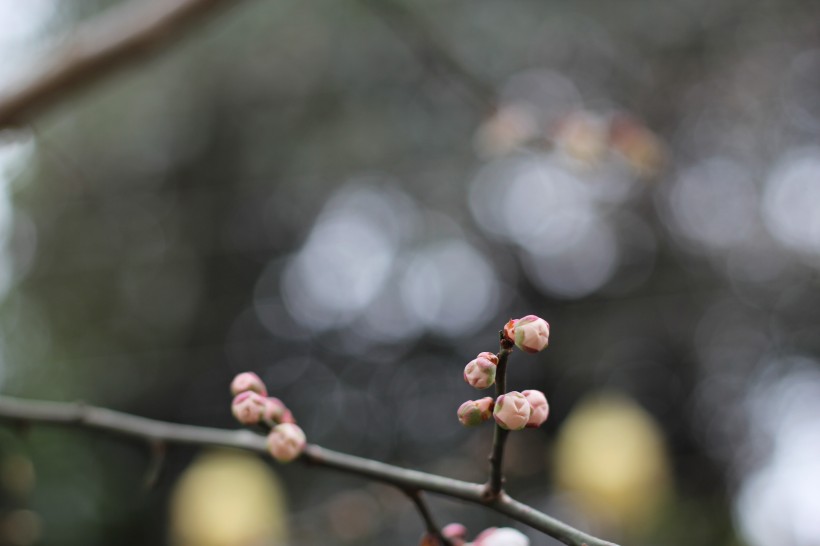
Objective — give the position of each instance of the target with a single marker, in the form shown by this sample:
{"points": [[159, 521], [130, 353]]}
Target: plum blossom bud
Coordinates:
{"points": [[503, 536], [286, 442], [512, 411], [480, 372], [532, 334], [248, 381], [540, 407], [248, 407], [509, 330], [475, 412], [456, 533], [275, 410], [287, 417]]}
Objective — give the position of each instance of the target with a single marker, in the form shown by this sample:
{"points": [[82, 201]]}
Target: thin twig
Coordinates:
{"points": [[81, 415], [496, 481], [110, 41], [421, 506], [432, 53]]}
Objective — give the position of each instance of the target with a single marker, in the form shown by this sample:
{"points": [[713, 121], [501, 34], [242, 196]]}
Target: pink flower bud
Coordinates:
{"points": [[275, 410], [248, 381], [475, 412], [456, 533], [512, 411], [532, 334], [248, 407], [503, 536], [540, 407], [287, 417], [509, 330], [286, 442], [480, 373]]}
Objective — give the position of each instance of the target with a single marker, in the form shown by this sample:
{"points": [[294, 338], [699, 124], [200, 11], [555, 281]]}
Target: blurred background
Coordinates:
{"points": [[351, 199]]}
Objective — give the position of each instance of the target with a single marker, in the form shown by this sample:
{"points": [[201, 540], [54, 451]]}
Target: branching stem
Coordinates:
{"points": [[73, 414]]}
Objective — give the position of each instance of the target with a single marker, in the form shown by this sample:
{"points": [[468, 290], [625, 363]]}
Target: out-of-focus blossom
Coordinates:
{"points": [[286, 442], [530, 334], [480, 372], [456, 533], [501, 536], [248, 407], [511, 127], [639, 146], [512, 411], [582, 136], [540, 407], [248, 381]]}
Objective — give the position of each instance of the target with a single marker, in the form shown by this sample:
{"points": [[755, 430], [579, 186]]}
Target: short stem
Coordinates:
{"points": [[426, 516], [496, 481]]}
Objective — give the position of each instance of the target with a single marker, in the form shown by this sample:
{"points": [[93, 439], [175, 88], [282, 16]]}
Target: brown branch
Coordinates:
{"points": [[496, 481], [424, 512], [81, 415], [432, 53], [111, 41]]}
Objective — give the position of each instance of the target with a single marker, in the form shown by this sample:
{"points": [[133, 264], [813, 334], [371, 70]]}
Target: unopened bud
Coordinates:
{"points": [[480, 372], [540, 407], [502, 536], [287, 417], [286, 442], [475, 412], [530, 334], [512, 411], [456, 533], [275, 410], [248, 407], [248, 381]]}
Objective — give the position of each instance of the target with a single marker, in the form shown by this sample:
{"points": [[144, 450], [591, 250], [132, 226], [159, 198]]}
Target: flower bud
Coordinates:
{"points": [[480, 372], [475, 412], [286, 442], [248, 381], [456, 533], [512, 411], [287, 417], [275, 410], [532, 334], [248, 407], [509, 330], [540, 407], [503, 536]]}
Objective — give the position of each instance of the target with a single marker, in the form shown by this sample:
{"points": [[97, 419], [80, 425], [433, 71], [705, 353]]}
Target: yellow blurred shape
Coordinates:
{"points": [[228, 498], [17, 475], [611, 455], [21, 528]]}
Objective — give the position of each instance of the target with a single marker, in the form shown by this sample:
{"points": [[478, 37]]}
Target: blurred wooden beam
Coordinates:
{"points": [[115, 39]]}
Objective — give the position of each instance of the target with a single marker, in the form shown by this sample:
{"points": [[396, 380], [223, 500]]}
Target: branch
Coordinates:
{"points": [[123, 424], [432, 529], [111, 41], [432, 53], [496, 482]]}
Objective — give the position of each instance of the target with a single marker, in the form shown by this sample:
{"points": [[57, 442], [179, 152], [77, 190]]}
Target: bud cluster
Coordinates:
{"points": [[252, 406], [512, 410]]}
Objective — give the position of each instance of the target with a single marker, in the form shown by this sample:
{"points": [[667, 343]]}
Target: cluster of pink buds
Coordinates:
{"points": [[252, 406], [512, 410], [456, 533]]}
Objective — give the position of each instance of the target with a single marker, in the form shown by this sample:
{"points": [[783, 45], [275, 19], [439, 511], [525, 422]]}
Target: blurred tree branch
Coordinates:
{"points": [[111, 41], [81, 415], [432, 53]]}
